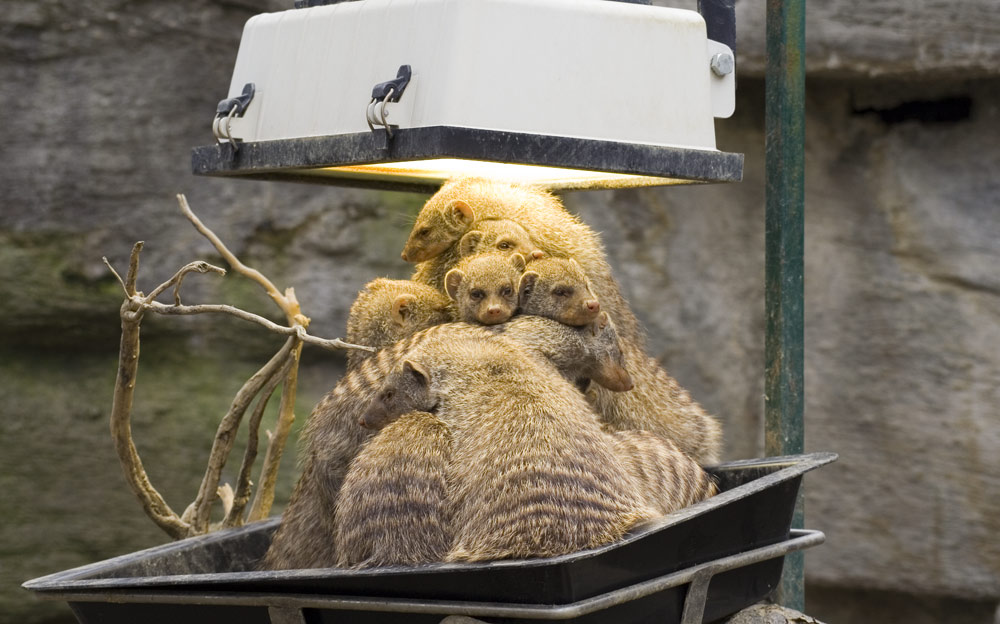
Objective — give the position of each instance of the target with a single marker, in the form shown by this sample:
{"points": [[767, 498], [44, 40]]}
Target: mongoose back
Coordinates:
{"points": [[391, 507], [580, 354], [657, 403], [668, 478], [532, 473], [484, 287], [388, 310], [558, 289], [330, 440]]}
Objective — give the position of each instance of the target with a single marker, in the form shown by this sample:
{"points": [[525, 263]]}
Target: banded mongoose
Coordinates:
{"points": [[657, 403], [668, 478], [329, 441], [466, 203], [388, 310], [532, 473], [502, 235], [391, 507], [484, 287], [580, 354], [557, 288]]}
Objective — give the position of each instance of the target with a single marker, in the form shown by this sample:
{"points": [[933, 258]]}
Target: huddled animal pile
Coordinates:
{"points": [[511, 410]]}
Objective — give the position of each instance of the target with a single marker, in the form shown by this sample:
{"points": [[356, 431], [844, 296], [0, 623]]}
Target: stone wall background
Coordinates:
{"points": [[102, 101]]}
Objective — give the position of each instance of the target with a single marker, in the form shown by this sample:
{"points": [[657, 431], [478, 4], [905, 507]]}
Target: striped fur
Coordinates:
{"points": [[391, 507], [330, 440], [532, 473], [668, 479]]}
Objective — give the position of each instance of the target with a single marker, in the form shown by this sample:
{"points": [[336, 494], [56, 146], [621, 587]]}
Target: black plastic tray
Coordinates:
{"points": [[211, 578]]}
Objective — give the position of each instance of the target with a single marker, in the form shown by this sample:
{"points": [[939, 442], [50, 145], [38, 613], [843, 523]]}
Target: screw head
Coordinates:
{"points": [[722, 64]]}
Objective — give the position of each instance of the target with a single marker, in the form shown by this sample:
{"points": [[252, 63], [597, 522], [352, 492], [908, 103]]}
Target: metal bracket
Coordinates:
{"points": [[382, 94], [226, 110], [236, 106]]}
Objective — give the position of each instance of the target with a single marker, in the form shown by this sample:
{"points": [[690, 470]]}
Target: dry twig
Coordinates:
{"points": [[282, 368]]}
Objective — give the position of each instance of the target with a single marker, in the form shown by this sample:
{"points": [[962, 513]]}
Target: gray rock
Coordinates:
{"points": [[854, 38]]}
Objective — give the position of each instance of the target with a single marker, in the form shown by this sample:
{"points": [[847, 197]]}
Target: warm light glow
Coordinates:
{"points": [[439, 170]]}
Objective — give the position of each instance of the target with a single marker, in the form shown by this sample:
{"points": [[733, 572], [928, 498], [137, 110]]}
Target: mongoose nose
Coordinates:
{"points": [[403, 256], [494, 311], [594, 305]]}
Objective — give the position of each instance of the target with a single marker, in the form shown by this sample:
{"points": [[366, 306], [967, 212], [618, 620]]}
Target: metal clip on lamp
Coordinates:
{"points": [[566, 94]]}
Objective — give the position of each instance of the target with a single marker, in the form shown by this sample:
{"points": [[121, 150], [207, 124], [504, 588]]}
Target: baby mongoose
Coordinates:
{"points": [[502, 235], [388, 310], [668, 478], [557, 288], [391, 507], [466, 203], [484, 287], [532, 473]]}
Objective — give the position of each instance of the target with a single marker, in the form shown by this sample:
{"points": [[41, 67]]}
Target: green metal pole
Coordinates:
{"points": [[783, 268]]}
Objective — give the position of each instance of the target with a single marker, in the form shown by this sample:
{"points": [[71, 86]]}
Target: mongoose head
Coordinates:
{"points": [[557, 288], [390, 310], [605, 354], [502, 235], [405, 389], [484, 287], [437, 228]]}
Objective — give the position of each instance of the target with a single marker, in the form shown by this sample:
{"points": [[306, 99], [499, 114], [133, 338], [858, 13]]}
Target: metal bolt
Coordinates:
{"points": [[722, 64]]}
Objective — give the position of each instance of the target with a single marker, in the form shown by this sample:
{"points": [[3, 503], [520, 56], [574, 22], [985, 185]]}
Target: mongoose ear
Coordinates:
{"points": [[469, 243], [418, 372], [576, 265], [526, 285], [452, 280], [517, 260], [402, 308], [460, 215]]}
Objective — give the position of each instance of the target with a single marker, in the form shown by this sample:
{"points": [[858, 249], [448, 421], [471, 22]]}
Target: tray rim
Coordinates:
{"points": [[698, 574], [77, 578]]}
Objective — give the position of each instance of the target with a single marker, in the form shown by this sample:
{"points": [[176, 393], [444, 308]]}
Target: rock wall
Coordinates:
{"points": [[103, 100]]}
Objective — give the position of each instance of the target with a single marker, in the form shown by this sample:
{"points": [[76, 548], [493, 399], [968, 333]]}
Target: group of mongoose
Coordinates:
{"points": [[511, 410]]}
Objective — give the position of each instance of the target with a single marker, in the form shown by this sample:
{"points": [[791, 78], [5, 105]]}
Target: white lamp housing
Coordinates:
{"points": [[557, 87]]}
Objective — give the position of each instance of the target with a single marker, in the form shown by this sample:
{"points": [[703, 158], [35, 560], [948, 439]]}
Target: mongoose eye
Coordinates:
{"points": [[562, 291], [506, 291], [424, 232], [476, 294], [387, 395], [504, 245]]}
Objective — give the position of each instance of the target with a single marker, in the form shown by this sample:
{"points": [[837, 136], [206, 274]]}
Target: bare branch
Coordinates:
{"points": [[288, 305], [121, 429], [226, 435], [225, 494], [115, 273], [133, 270], [276, 447], [242, 495], [198, 266], [297, 330]]}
